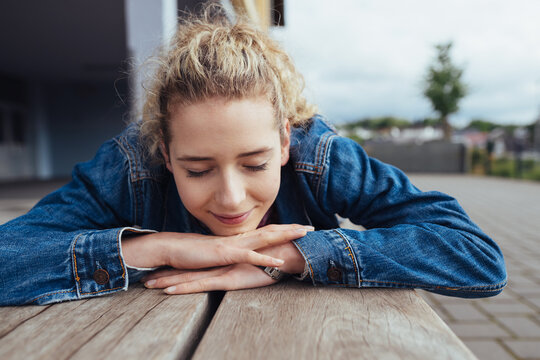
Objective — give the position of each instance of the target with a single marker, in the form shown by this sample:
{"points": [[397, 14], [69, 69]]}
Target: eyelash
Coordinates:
{"points": [[197, 174], [261, 167]]}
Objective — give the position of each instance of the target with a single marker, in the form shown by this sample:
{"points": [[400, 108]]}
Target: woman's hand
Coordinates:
{"points": [[196, 251], [294, 261], [230, 277]]}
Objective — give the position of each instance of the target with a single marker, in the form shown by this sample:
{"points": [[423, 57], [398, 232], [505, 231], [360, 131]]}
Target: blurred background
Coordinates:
{"points": [[70, 74], [449, 91]]}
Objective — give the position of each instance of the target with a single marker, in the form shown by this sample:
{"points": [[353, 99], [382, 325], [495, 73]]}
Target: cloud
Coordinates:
{"points": [[368, 58]]}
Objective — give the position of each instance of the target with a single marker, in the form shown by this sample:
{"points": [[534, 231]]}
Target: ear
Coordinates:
{"points": [[165, 155], [285, 142]]}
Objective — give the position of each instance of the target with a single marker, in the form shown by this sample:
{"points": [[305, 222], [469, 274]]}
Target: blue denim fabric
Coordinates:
{"points": [[413, 239]]}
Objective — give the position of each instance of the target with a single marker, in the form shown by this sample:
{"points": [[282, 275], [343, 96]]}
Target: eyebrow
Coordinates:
{"points": [[242, 155]]}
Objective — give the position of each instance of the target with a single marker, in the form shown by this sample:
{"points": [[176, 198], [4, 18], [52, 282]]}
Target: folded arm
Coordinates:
{"points": [[414, 239]]}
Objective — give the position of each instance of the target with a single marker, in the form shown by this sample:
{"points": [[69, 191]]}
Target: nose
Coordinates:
{"points": [[231, 191]]}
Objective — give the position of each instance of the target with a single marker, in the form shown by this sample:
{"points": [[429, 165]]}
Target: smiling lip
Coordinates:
{"points": [[232, 219]]}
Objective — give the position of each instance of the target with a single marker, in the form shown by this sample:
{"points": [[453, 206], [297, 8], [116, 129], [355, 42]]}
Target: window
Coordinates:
{"points": [[278, 13], [13, 110], [13, 125]]}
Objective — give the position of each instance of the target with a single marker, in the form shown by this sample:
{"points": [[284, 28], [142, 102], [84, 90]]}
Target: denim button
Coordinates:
{"points": [[101, 276], [334, 274]]}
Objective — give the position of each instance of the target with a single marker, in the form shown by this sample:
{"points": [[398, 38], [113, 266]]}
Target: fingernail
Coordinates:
{"points": [[170, 289], [301, 231], [309, 228], [279, 261], [149, 283]]}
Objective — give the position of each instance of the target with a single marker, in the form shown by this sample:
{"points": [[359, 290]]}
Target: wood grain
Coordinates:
{"points": [[140, 323], [13, 316], [297, 321]]}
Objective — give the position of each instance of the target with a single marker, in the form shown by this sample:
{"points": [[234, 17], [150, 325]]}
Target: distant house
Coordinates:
{"points": [[417, 149], [472, 138], [536, 135], [417, 135]]}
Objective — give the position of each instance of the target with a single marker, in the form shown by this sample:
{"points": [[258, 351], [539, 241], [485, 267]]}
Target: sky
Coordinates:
{"points": [[367, 58]]}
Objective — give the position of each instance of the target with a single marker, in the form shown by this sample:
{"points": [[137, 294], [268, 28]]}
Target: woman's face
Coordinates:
{"points": [[226, 158]]}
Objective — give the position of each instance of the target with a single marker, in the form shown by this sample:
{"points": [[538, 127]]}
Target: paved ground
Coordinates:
{"points": [[506, 326], [499, 328]]}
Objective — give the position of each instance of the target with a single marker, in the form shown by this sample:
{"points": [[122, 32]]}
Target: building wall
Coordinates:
{"points": [[67, 61], [83, 115], [430, 157], [63, 64]]}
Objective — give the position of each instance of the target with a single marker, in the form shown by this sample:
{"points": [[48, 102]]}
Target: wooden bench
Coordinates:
{"points": [[289, 320]]}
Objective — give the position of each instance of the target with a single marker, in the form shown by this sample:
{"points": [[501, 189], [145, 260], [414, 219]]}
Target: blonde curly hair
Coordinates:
{"points": [[212, 56]]}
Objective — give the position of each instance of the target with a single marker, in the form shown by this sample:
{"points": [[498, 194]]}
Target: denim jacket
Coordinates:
{"points": [[69, 245]]}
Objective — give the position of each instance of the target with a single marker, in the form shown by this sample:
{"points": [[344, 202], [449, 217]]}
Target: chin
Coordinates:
{"points": [[221, 230]]}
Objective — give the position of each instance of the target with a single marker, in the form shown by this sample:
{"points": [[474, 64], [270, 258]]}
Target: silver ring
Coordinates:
{"points": [[273, 272]]}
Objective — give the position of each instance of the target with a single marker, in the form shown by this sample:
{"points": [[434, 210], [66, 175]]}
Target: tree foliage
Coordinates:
{"points": [[444, 87], [482, 125], [378, 123]]}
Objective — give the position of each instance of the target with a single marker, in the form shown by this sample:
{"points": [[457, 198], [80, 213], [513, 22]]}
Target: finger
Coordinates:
{"points": [[239, 276], [184, 277], [268, 238], [254, 258], [243, 238], [283, 227], [232, 255], [161, 273], [198, 286]]}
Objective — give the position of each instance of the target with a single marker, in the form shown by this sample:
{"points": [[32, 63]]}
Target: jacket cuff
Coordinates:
{"points": [[330, 258], [135, 273], [98, 265]]}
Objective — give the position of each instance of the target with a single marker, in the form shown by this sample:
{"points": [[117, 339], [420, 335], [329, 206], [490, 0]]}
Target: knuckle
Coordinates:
{"points": [[203, 285], [164, 282], [186, 277], [219, 247], [270, 238], [231, 255]]}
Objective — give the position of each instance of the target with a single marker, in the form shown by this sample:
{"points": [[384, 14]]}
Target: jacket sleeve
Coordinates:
{"points": [[413, 239], [68, 246]]}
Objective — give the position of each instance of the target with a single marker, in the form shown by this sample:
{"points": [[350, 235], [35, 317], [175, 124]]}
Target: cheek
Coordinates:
{"points": [[267, 185], [193, 196]]}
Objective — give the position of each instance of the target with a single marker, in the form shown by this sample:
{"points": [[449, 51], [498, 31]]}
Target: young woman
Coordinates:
{"points": [[231, 180]]}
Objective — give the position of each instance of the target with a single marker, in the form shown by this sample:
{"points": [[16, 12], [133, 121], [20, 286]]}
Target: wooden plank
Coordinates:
{"points": [[13, 316], [297, 321], [139, 323]]}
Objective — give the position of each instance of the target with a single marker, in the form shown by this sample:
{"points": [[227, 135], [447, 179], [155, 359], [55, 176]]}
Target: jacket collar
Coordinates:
{"points": [[289, 204]]}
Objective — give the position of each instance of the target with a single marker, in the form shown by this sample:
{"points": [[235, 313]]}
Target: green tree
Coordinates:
{"points": [[377, 123], [482, 125], [443, 86]]}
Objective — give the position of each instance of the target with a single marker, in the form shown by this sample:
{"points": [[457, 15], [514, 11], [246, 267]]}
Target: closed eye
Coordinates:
{"points": [[191, 173], [261, 167]]}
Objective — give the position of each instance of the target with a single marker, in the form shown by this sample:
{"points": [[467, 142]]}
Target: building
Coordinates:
{"points": [[69, 74], [536, 135]]}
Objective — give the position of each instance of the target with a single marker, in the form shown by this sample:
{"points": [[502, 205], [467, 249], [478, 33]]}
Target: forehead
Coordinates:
{"points": [[208, 125]]}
